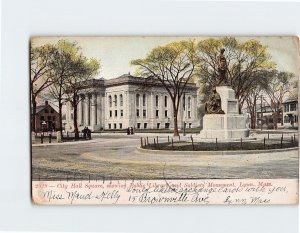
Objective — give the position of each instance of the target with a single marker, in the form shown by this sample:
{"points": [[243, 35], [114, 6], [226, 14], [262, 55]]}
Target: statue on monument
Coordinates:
{"points": [[222, 68], [213, 106]]}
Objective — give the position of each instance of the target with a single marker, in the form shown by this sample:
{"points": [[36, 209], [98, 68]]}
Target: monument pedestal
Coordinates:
{"points": [[230, 125]]}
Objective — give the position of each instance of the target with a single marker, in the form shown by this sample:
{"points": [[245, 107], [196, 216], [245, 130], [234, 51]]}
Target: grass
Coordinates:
{"points": [[222, 146]]}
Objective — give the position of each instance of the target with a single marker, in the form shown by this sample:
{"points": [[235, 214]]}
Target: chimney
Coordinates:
{"points": [[46, 102]]}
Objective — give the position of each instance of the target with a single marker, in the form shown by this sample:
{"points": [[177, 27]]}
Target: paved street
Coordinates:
{"points": [[116, 157]]}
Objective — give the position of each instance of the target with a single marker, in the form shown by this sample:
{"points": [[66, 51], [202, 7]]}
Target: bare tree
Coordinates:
{"points": [[173, 65], [79, 78], [41, 74], [279, 85], [62, 66]]}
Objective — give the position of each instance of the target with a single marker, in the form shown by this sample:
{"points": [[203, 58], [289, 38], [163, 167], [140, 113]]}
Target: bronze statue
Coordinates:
{"points": [[222, 68], [213, 106]]}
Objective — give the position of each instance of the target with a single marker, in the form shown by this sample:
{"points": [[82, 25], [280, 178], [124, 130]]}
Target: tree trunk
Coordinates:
{"points": [[275, 120], [33, 114], [60, 118], [75, 121], [175, 114]]}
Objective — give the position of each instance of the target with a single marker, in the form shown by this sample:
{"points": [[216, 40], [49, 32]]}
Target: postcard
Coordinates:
{"points": [[164, 120]]}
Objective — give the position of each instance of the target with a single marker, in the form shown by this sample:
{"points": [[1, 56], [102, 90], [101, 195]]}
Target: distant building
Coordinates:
{"points": [[129, 101], [265, 116], [47, 118], [290, 112]]}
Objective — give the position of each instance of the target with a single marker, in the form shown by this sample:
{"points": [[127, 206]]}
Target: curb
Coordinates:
{"points": [[245, 152]]}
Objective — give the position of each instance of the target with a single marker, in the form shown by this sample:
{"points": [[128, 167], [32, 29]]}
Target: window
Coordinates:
{"points": [[138, 125], [144, 100], [166, 113], [49, 118], [189, 102], [42, 118], [121, 112], [167, 125], [145, 125], [72, 117], [156, 113], [110, 113], [137, 100], [116, 100], [116, 113], [144, 113], [293, 107], [183, 102], [190, 125], [110, 101], [120, 125], [286, 119], [189, 114], [115, 125], [109, 126], [166, 101], [53, 118], [286, 107], [157, 125], [138, 113], [121, 100], [156, 100], [52, 110], [46, 111]]}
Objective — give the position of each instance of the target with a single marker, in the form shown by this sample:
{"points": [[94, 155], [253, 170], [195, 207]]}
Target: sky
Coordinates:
{"points": [[115, 53]]}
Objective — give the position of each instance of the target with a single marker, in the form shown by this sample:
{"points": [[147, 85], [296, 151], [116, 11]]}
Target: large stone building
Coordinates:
{"points": [[129, 101]]}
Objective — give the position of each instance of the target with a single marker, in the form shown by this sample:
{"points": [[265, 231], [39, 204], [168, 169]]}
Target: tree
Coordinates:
{"points": [[279, 84], [254, 93], [173, 65], [40, 73], [245, 60], [62, 66], [82, 71]]}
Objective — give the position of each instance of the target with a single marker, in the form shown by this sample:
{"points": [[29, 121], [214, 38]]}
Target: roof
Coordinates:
{"points": [[40, 108], [290, 100]]}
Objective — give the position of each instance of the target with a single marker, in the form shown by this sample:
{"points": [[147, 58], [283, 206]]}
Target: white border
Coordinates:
{"points": [[22, 19]]}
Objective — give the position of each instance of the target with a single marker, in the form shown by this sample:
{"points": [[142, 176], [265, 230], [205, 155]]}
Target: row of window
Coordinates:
{"points": [[137, 100], [139, 126], [116, 113], [144, 113], [115, 100], [47, 110], [290, 107], [291, 119], [49, 118]]}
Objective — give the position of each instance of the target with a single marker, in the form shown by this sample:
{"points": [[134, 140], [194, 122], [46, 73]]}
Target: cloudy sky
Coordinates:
{"points": [[116, 53]]}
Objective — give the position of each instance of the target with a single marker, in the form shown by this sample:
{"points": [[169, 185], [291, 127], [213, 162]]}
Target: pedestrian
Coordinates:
{"points": [[128, 131]]}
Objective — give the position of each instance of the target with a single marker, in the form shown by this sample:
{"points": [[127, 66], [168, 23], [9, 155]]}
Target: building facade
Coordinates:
{"points": [[128, 101], [290, 112], [47, 118]]}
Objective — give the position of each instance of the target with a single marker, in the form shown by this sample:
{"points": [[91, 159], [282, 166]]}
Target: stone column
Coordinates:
{"points": [[93, 113], [86, 112], [98, 110], [151, 110], [79, 111]]}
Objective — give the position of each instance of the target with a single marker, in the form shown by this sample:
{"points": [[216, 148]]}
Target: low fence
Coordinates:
{"points": [[48, 137], [266, 142]]}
